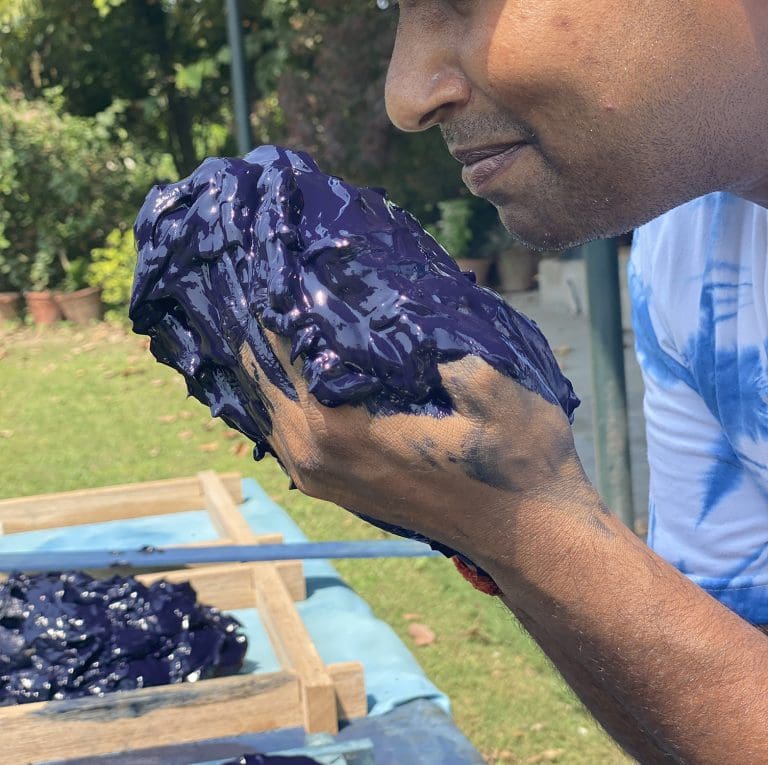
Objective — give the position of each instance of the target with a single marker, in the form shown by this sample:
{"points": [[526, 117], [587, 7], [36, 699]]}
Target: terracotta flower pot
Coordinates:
{"points": [[81, 306], [42, 307], [481, 268], [10, 306], [517, 269]]}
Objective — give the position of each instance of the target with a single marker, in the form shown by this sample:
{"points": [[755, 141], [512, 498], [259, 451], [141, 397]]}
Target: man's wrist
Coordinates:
{"points": [[542, 542]]}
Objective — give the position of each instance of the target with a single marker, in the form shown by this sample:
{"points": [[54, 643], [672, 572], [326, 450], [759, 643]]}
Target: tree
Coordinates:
{"points": [[163, 65]]}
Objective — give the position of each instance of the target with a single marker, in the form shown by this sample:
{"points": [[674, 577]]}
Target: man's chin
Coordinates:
{"points": [[539, 231]]}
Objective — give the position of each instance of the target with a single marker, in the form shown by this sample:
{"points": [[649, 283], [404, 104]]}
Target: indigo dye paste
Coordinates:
{"points": [[64, 635], [368, 301]]}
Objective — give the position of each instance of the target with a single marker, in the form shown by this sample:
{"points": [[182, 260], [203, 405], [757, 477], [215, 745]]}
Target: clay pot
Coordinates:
{"points": [[481, 268], [10, 306], [81, 306], [42, 307], [517, 269]]}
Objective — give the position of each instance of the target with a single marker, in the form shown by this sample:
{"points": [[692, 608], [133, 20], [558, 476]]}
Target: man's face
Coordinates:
{"points": [[583, 119]]}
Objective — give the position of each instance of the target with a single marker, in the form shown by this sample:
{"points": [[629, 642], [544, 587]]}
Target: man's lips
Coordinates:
{"points": [[482, 163]]}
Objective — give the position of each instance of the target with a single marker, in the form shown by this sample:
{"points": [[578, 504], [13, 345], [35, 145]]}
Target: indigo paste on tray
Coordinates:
{"points": [[368, 301], [64, 635]]}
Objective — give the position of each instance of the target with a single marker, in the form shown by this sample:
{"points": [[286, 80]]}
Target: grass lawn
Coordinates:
{"points": [[82, 408]]}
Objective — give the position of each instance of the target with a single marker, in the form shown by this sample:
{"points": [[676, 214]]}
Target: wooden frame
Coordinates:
{"points": [[305, 692]]}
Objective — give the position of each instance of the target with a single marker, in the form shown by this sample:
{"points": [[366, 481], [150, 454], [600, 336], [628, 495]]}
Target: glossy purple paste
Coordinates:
{"points": [[367, 300], [64, 635]]}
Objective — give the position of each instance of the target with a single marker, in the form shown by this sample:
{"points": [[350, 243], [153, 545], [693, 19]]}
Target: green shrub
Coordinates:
{"points": [[65, 183], [112, 267], [452, 230]]}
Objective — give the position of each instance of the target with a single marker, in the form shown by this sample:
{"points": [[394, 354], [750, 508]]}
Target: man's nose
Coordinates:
{"points": [[425, 84]]}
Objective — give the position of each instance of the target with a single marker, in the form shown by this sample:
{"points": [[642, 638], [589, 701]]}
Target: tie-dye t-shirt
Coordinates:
{"points": [[699, 287]]}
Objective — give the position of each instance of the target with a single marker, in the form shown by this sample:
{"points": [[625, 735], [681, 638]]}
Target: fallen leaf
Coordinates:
{"points": [[240, 450], [6, 433], [410, 617], [131, 371], [167, 418], [498, 756], [562, 350], [209, 447], [476, 634], [209, 424], [548, 755], [185, 414], [537, 726], [185, 435], [157, 382], [230, 434], [154, 451], [421, 634]]}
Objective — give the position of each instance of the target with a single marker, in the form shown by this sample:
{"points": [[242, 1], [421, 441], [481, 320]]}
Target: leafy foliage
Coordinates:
{"points": [[165, 62], [112, 267], [452, 230], [66, 182]]}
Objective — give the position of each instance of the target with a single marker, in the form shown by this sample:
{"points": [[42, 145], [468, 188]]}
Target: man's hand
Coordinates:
{"points": [[453, 479]]}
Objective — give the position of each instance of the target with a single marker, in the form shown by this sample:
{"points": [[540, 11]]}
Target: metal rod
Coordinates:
{"points": [[237, 75], [171, 557], [610, 421]]}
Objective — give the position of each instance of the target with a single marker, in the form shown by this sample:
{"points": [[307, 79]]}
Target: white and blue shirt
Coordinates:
{"points": [[699, 287]]}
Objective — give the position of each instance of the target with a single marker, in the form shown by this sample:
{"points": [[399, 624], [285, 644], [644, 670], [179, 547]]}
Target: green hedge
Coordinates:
{"points": [[65, 183]]}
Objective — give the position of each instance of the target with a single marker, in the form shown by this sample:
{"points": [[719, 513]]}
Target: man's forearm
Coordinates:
{"points": [[670, 673]]}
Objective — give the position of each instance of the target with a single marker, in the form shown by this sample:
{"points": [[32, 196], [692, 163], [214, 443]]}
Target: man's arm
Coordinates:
{"points": [[672, 675]]}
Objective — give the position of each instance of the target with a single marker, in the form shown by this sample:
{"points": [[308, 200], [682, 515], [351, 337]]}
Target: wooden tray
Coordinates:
{"points": [[305, 692]]}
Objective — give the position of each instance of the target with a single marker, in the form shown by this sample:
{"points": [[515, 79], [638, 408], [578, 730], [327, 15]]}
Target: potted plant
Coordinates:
{"points": [[111, 268], [79, 302], [10, 302], [12, 275], [516, 264], [454, 233], [40, 300]]}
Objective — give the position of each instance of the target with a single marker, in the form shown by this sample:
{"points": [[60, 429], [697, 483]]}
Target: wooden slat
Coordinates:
{"points": [[290, 640], [109, 503], [291, 571], [226, 518], [230, 523], [295, 650], [226, 586], [349, 682], [172, 714]]}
